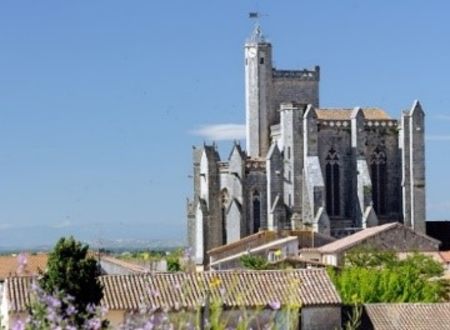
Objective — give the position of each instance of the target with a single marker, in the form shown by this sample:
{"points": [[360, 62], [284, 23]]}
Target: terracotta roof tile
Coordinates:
{"points": [[409, 316], [9, 265], [188, 290], [345, 114]]}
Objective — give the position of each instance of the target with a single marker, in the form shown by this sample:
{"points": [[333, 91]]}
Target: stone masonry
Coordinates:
{"points": [[330, 170]]}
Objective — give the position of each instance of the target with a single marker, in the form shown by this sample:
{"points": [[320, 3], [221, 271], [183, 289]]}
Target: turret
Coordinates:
{"points": [[412, 143], [258, 81]]}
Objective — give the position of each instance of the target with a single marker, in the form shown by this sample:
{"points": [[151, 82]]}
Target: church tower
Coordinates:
{"points": [[258, 80]]}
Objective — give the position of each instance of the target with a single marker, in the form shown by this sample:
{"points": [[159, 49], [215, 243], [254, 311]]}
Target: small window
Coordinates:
{"points": [[261, 60], [289, 153], [290, 200]]}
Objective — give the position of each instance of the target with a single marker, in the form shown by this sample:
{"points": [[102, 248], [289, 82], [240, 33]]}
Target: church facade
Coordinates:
{"points": [[334, 171]]}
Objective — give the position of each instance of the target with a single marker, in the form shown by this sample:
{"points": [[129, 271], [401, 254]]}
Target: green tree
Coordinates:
{"points": [[382, 277], [254, 262], [71, 272]]}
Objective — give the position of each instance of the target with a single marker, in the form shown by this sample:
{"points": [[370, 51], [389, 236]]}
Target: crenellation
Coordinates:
{"points": [[332, 170]]}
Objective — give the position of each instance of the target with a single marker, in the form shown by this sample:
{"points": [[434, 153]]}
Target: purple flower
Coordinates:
{"points": [[90, 308], [94, 324], [18, 325], [71, 310], [21, 262], [53, 302], [275, 304]]}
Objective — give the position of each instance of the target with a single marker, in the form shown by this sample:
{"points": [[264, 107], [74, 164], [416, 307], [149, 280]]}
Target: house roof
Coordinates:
{"points": [[345, 114], [360, 236], [305, 287], [262, 247], [10, 265], [132, 267], [408, 316], [351, 240]]}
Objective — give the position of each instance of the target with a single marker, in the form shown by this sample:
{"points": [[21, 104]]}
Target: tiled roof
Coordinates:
{"points": [[351, 240], [345, 114], [409, 316], [305, 287], [132, 267], [360, 236], [9, 265]]}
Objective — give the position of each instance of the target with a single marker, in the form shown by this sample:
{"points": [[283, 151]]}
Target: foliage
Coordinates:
{"points": [[57, 311], [173, 263], [142, 255], [373, 277], [254, 262], [354, 318], [71, 273]]}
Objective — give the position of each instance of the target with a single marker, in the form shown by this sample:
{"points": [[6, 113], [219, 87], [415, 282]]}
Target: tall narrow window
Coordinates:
{"points": [[256, 212], [378, 170], [223, 215], [332, 175]]}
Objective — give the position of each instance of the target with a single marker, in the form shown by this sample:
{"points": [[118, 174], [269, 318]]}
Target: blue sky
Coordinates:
{"points": [[100, 100]]}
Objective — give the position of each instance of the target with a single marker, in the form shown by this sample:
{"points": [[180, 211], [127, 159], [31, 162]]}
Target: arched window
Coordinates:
{"points": [[332, 183], [223, 215], [256, 204], [378, 170]]}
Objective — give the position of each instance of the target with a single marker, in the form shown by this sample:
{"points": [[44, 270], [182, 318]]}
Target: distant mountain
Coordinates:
{"points": [[107, 236]]}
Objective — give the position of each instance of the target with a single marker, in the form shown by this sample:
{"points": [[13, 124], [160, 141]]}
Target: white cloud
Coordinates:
{"points": [[221, 132], [438, 137]]}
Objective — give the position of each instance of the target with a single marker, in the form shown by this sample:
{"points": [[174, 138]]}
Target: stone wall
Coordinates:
{"points": [[320, 318]]}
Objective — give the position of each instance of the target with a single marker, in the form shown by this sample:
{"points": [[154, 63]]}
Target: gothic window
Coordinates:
{"points": [[261, 60], [378, 170], [223, 215], [289, 152], [332, 176], [256, 203]]}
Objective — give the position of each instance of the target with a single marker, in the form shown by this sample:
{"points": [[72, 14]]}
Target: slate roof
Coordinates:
{"points": [[9, 265], [305, 287], [408, 316], [345, 114]]}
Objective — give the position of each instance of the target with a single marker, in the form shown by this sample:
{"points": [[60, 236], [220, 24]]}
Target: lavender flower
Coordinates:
{"points": [[275, 304], [21, 263]]}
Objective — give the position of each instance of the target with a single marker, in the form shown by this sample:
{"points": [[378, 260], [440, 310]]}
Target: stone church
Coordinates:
{"points": [[330, 170]]}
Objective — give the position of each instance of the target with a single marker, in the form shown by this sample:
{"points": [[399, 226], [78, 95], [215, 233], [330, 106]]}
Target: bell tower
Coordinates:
{"points": [[258, 85]]}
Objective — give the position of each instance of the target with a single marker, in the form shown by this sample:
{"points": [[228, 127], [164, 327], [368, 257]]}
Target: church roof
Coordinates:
{"points": [[345, 114]]}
